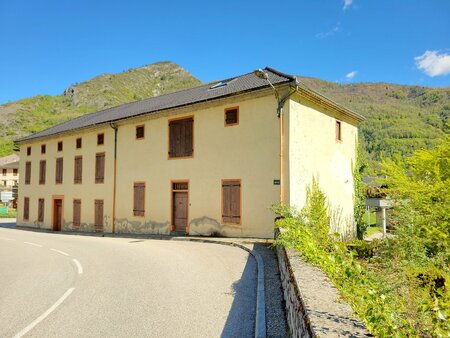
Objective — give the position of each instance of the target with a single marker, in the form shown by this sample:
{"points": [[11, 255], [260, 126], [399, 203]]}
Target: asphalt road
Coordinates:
{"points": [[54, 285]]}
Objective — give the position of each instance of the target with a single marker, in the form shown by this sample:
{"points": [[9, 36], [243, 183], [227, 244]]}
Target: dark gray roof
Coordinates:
{"points": [[211, 91]]}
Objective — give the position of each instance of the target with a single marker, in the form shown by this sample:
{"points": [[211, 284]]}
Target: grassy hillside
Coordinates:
{"points": [[33, 114], [399, 119]]}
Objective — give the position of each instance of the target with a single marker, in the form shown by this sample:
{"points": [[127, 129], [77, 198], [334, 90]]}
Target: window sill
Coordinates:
{"points": [[180, 157]]}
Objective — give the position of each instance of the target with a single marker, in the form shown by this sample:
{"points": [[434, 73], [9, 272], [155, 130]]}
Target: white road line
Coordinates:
{"points": [[7, 239], [61, 252], [79, 267], [45, 314], [38, 245]]}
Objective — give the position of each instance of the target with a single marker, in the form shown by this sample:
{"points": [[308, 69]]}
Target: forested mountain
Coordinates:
{"points": [[399, 118]]}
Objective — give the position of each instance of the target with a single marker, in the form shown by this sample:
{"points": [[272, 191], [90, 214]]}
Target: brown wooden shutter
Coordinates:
{"points": [[231, 202], [78, 170], [139, 199], [98, 215], [42, 171], [27, 172], [188, 137], [100, 168], [181, 138], [41, 210], [26, 208], [59, 170], [76, 213], [173, 135]]}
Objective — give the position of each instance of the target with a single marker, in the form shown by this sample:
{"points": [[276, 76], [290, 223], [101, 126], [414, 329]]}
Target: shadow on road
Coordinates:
{"points": [[241, 318], [7, 224]]}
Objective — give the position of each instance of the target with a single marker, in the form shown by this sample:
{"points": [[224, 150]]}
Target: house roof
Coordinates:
{"points": [[211, 91], [10, 161]]}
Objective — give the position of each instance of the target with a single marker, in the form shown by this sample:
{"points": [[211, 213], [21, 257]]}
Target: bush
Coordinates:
{"points": [[391, 285]]}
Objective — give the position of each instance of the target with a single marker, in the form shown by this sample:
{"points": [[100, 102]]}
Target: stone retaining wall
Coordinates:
{"points": [[313, 305]]}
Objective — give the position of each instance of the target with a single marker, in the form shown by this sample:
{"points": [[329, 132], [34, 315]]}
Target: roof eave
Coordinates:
{"points": [[329, 103], [30, 138]]}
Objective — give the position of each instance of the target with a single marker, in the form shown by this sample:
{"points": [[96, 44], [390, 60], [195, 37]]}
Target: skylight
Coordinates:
{"points": [[221, 84]]}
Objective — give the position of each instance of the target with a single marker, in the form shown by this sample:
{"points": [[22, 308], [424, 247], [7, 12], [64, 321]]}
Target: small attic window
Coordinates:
{"points": [[231, 116]]}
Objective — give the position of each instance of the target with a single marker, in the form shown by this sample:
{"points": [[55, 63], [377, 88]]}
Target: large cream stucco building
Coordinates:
{"points": [[210, 160]]}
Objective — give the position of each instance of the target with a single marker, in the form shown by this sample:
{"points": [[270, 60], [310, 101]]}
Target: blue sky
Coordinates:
{"points": [[48, 45]]}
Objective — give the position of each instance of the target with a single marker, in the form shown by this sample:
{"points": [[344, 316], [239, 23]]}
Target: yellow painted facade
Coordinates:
{"points": [[314, 152], [248, 151]]}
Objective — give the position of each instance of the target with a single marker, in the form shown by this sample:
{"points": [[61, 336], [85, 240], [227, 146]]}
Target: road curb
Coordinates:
{"points": [[260, 320]]}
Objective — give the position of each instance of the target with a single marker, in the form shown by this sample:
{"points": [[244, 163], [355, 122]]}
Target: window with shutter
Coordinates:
{"points": [[76, 213], [231, 201], [139, 199], [78, 170], [140, 132], [338, 131], [100, 139], [99, 167], [26, 208], [231, 116], [42, 171], [41, 210], [59, 170], [98, 215], [28, 172], [181, 134]]}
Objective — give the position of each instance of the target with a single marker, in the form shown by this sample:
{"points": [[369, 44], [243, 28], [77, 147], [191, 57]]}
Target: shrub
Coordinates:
{"points": [[393, 286]]}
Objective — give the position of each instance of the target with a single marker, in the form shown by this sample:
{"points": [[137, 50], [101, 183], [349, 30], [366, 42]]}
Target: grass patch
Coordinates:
{"points": [[11, 213], [373, 230]]}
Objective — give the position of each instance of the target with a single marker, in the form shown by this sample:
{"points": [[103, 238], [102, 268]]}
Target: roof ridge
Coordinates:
{"points": [[273, 70]]}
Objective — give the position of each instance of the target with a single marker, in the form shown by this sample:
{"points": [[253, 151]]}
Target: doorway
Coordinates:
{"points": [[57, 214], [180, 204]]}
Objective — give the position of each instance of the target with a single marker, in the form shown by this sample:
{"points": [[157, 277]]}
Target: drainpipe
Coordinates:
{"points": [[114, 126], [280, 116], [280, 104]]}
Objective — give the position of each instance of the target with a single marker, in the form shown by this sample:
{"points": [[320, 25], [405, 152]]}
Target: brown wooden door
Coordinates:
{"points": [[98, 215], [57, 214], [180, 211]]}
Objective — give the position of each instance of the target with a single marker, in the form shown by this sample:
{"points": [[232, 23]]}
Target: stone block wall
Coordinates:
{"points": [[313, 305]]}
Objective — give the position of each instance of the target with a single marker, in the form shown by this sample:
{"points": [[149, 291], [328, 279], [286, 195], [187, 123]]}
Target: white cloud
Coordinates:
{"points": [[347, 4], [336, 29], [351, 75], [433, 63]]}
